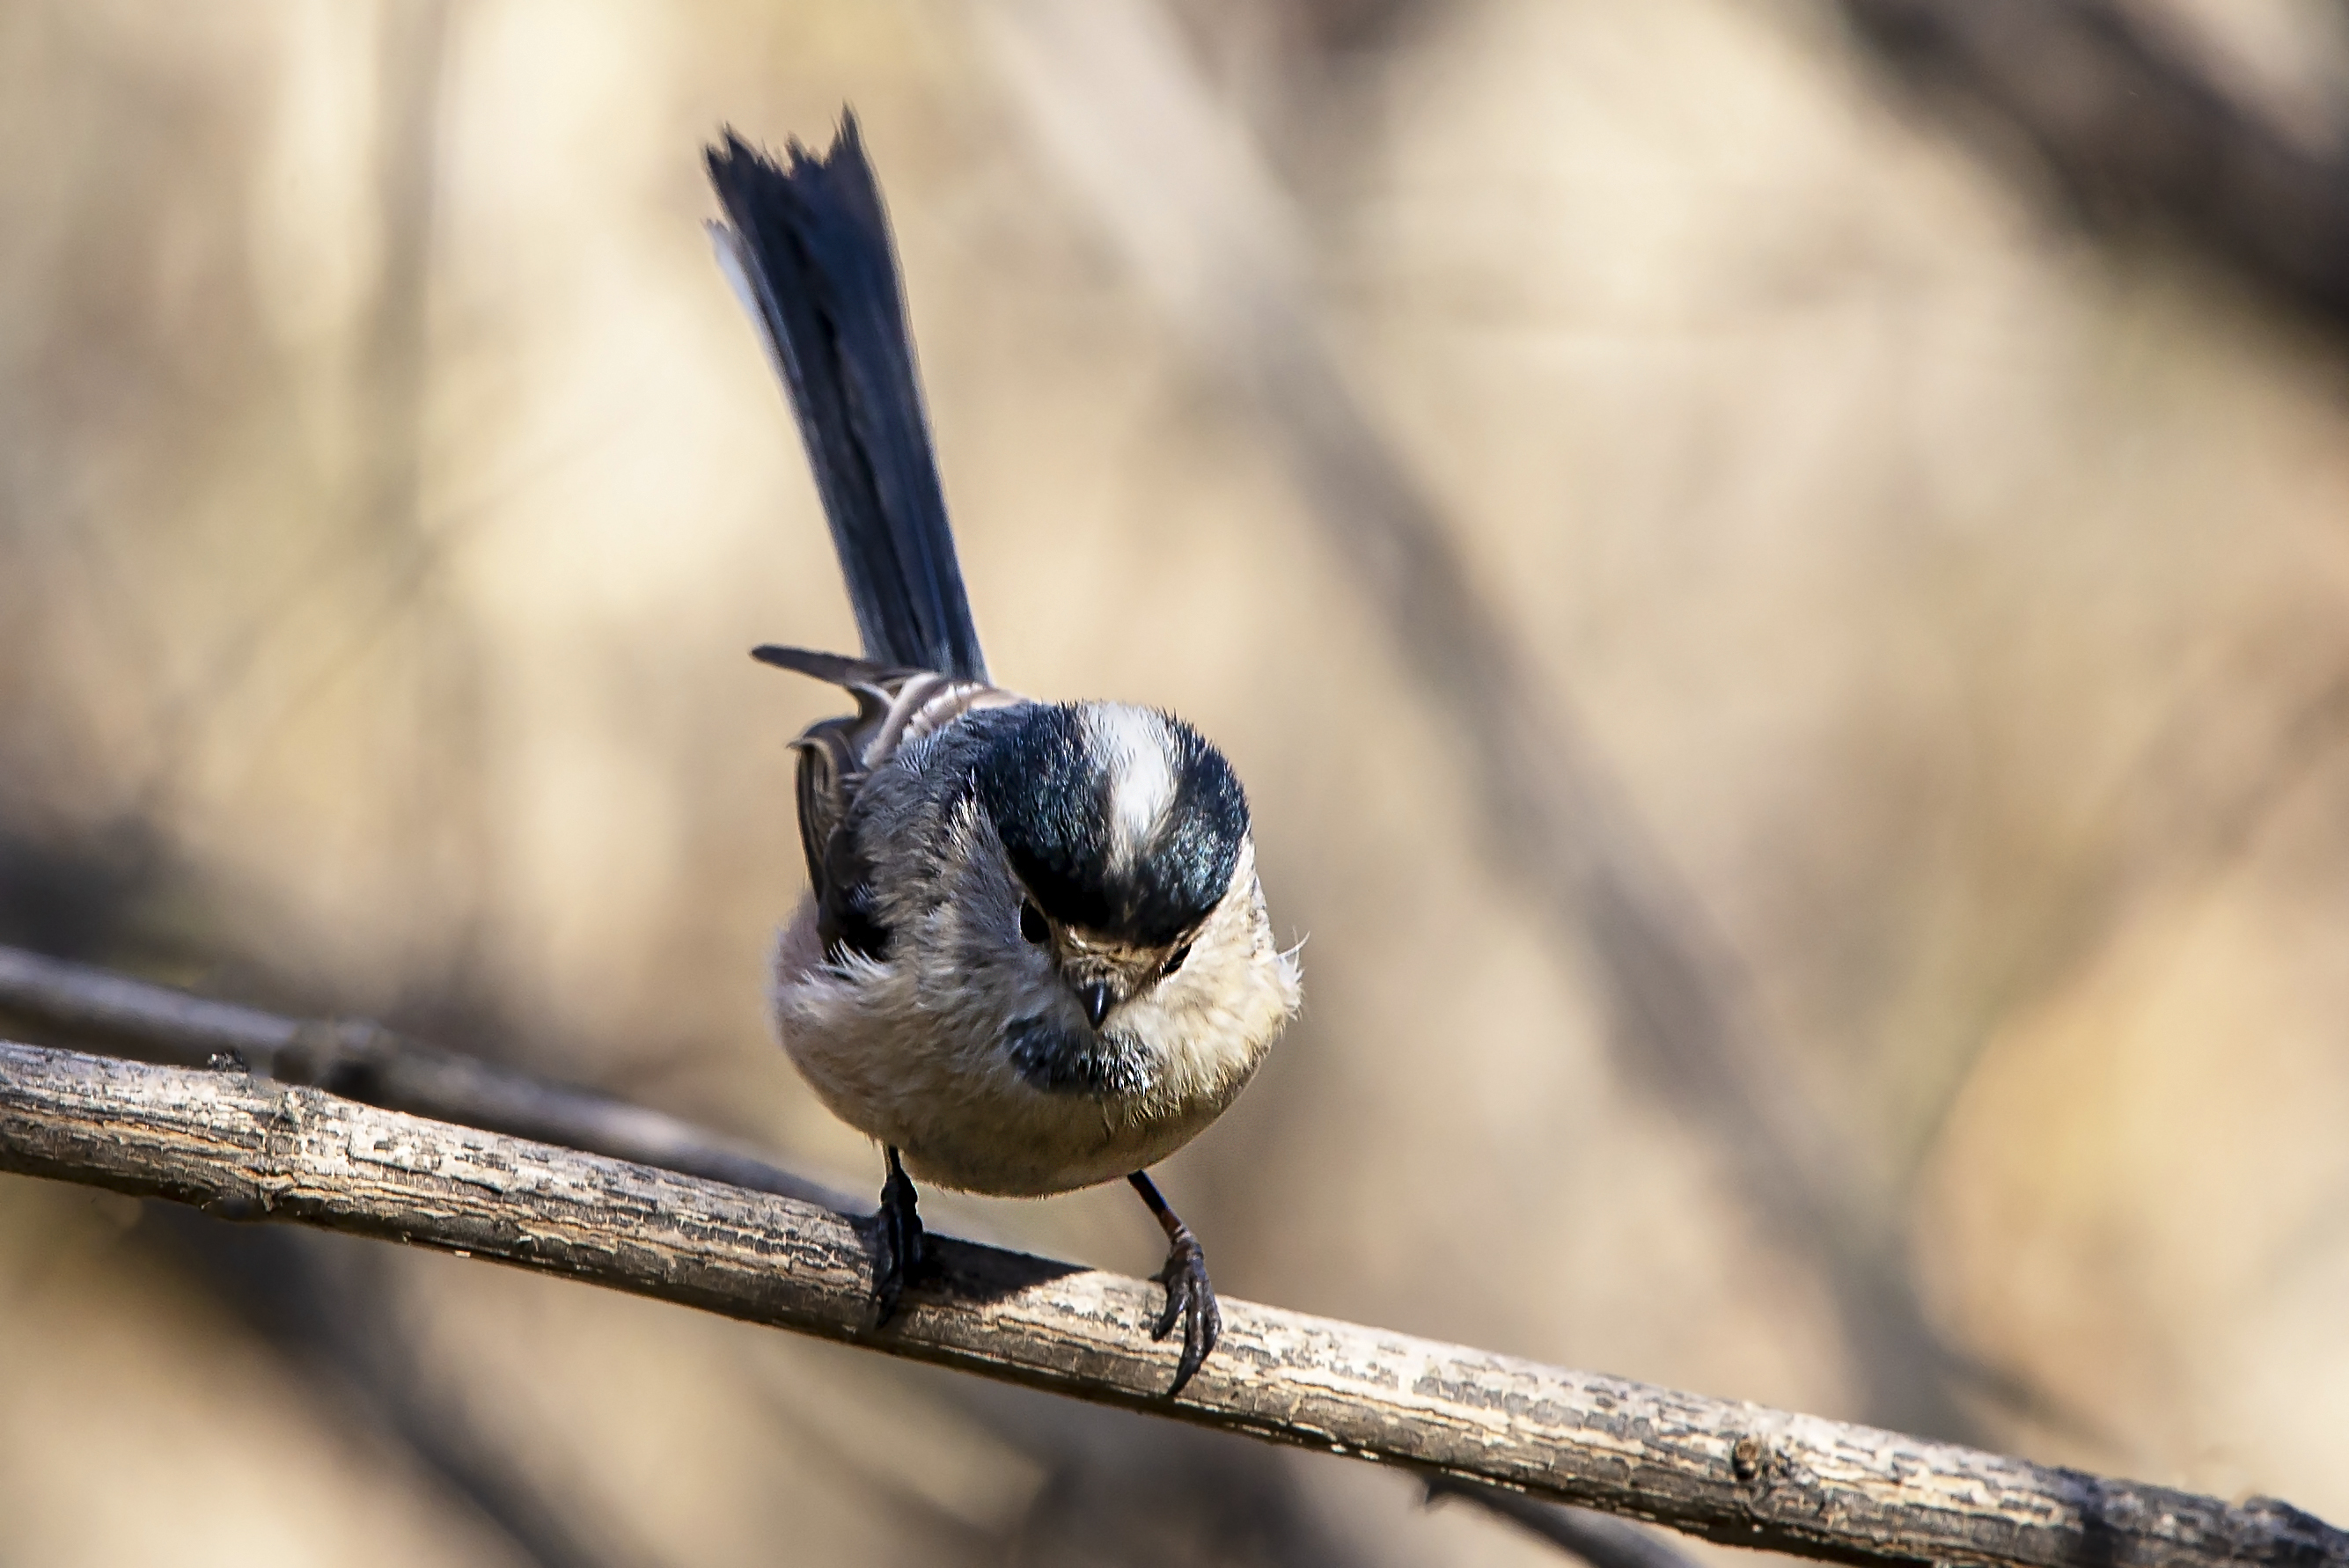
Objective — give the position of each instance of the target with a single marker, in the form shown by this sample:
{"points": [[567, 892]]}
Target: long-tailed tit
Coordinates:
{"points": [[1035, 956]]}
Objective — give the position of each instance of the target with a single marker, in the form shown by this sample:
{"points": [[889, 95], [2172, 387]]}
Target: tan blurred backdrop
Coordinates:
{"points": [[1953, 593]]}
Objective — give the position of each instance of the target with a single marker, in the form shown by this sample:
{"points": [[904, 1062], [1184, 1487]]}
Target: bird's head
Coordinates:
{"points": [[1126, 836]]}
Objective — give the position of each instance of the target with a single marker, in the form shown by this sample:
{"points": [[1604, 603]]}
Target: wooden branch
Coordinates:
{"points": [[75, 1003], [248, 1148]]}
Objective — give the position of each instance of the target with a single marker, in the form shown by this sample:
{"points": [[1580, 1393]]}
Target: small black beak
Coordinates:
{"points": [[1094, 995]]}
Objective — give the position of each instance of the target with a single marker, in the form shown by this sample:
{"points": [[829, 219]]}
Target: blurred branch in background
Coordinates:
{"points": [[1172, 177], [402, 541], [285, 1285], [2193, 850], [1120, 1489], [385, 537], [72, 1003], [243, 1148], [2131, 117], [1594, 1537]]}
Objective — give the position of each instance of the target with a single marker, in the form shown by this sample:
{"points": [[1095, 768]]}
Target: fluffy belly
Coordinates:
{"points": [[936, 1084], [1011, 1151]]}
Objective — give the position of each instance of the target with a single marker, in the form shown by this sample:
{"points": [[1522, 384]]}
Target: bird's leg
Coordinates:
{"points": [[898, 1250], [1189, 1296]]}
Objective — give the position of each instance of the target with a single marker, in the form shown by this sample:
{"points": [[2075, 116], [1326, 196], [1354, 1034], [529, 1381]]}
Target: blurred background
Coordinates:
{"points": [[1775, 570]]}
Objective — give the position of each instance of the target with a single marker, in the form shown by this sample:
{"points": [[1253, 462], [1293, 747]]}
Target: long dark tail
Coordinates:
{"points": [[808, 247]]}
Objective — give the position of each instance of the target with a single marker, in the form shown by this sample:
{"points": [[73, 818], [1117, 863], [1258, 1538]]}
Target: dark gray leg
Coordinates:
{"points": [[1189, 1296], [898, 1252]]}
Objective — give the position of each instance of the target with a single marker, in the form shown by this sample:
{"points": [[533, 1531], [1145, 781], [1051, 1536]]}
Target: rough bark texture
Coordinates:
{"points": [[248, 1148]]}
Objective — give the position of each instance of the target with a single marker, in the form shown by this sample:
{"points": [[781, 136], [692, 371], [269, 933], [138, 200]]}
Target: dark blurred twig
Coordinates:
{"points": [[242, 1147], [1119, 1488], [1174, 178], [2135, 127], [73, 1003], [1597, 1539]]}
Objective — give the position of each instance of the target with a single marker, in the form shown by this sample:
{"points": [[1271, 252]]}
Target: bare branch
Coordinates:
{"points": [[72, 1002], [245, 1147]]}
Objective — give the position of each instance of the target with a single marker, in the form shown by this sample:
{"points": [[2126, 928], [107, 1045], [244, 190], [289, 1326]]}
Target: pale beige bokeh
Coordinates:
{"points": [[1959, 600]]}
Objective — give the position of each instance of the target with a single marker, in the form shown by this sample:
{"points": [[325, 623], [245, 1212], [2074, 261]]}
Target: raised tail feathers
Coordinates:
{"points": [[808, 248]]}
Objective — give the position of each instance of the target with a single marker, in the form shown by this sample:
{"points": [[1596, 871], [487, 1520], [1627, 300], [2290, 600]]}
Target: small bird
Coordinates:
{"points": [[1035, 954]]}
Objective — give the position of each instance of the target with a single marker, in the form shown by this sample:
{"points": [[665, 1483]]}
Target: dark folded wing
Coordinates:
{"points": [[837, 869], [894, 708]]}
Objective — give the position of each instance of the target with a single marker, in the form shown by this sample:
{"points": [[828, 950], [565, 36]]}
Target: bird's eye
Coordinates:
{"points": [[1032, 923], [1174, 961]]}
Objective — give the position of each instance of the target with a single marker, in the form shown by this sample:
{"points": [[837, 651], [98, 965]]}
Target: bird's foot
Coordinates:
{"points": [[900, 1251], [1190, 1298]]}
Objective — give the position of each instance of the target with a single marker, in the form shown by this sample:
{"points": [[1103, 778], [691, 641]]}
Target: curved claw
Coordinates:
{"points": [[1191, 1296], [899, 1253]]}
